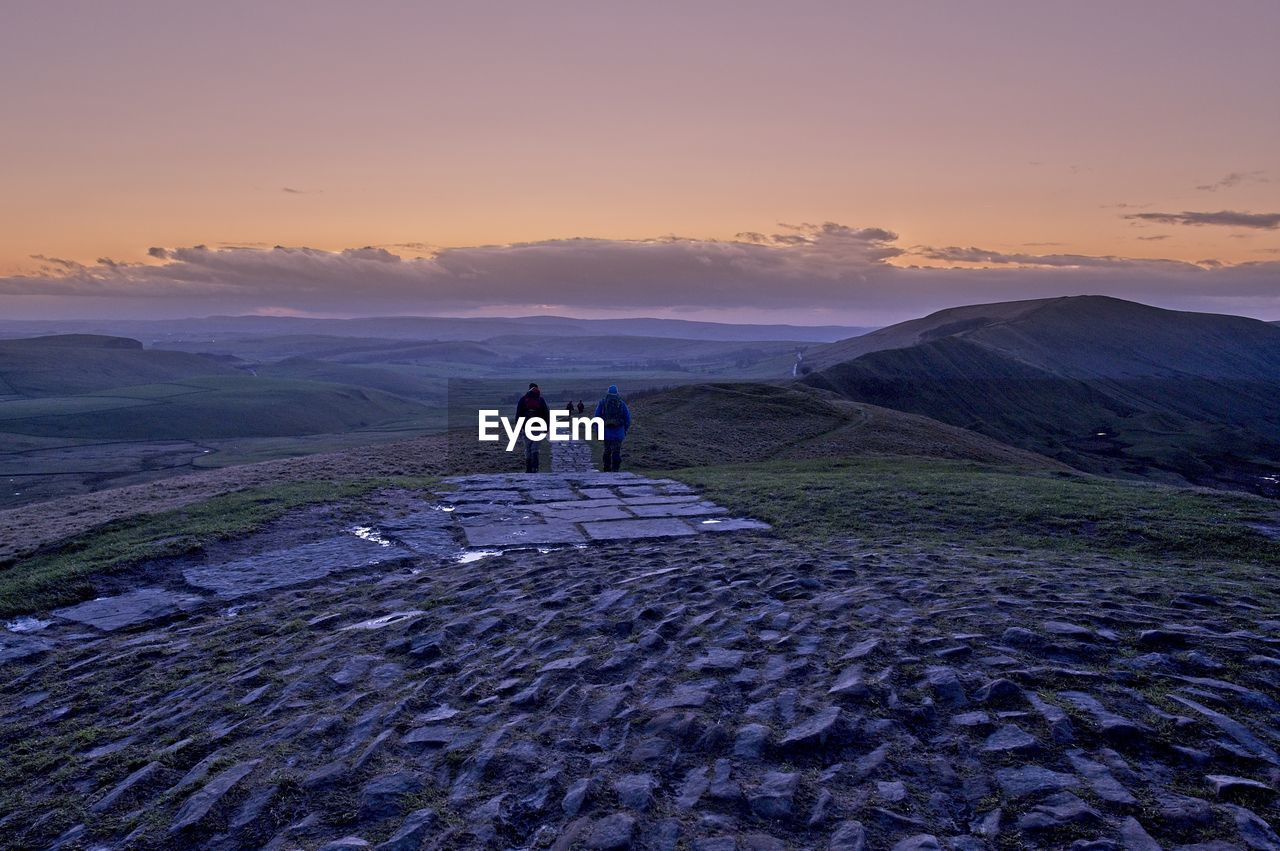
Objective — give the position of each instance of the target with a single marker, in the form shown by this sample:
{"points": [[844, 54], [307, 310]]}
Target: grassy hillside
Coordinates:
{"points": [[67, 365], [751, 421], [994, 506], [373, 377], [1099, 383], [215, 407], [1087, 337]]}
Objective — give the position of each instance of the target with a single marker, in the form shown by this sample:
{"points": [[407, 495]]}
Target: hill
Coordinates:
{"points": [[84, 363], [384, 380], [728, 423], [1099, 383], [206, 408]]}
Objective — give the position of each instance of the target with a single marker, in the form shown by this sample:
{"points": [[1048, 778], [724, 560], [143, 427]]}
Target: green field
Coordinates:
{"points": [[942, 502], [208, 408]]}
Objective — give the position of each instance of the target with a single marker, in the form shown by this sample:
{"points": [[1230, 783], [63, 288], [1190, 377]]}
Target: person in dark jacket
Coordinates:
{"points": [[617, 420], [581, 407], [532, 406]]}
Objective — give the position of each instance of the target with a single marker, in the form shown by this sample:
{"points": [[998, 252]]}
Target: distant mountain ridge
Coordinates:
{"points": [[429, 328], [84, 363], [1097, 382]]}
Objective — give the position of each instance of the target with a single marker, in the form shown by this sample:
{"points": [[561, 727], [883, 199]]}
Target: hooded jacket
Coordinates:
{"points": [[618, 432], [533, 406]]}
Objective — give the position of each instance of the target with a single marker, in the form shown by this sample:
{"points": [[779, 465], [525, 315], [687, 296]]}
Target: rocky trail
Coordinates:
{"points": [[581, 660]]}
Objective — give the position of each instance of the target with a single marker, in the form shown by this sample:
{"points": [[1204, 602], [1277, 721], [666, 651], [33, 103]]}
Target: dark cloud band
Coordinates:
{"points": [[831, 267]]}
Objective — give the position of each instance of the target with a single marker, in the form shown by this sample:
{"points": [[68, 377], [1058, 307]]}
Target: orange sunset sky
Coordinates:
{"points": [[981, 135]]}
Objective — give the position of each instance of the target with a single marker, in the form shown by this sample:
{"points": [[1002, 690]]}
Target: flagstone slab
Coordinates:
{"points": [[290, 566], [582, 515], [136, 607], [660, 499], [489, 496], [562, 494], [513, 535], [684, 509], [575, 505], [662, 527]]}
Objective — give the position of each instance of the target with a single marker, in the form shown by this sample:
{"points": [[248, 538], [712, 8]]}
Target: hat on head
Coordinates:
{"points": [[613, 389], [533, 385]]}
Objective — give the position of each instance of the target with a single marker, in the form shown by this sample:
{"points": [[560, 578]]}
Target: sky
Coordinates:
{"points": [[811, 162]]}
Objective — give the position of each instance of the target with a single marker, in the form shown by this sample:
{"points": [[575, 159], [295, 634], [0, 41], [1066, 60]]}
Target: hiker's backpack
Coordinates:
{"points": [[613, 412]]}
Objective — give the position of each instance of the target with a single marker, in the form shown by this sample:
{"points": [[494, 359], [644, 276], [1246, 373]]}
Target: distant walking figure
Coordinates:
{"points": [[617, 419], [581, 407], [569, 408], [532, 406]]}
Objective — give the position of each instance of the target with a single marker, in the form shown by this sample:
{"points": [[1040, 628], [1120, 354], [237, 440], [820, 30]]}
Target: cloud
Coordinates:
{"points": [[1234, 179], [987, 257], [855, 274], [1225, 218], [1155, 237], [291, 191]]}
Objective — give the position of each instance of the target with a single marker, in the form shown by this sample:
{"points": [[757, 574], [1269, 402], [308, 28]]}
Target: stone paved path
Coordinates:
{"points": [[571, 456], [705, 692]]}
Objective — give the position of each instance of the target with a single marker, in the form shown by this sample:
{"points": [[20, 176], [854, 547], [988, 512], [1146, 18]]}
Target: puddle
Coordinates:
{"points": [[232, 611], [384, 620], [710, 522], [27, 624], [470, 556], [368, 533]]}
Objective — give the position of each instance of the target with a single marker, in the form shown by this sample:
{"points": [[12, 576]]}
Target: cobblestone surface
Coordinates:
{"points": [[701, 691]]}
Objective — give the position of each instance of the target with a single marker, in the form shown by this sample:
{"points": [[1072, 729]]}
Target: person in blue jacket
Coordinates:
{"points": [[617, 419]]}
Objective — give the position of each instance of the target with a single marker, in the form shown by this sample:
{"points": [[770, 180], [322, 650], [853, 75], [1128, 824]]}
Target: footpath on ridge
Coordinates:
{"points": [[582, 660]]}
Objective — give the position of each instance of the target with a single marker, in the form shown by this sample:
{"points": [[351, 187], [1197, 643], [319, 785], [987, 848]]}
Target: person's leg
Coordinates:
{"points": [[617, 456], [606, 457], [530, 455]]}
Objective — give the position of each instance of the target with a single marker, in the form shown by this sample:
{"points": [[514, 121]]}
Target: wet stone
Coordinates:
{"points": [[126, 610], [1059, 811], [290, 566], [946, 686], [528, 534], [15, 647], [848, 836], [718, 659], [774, 798], [750, 741], [612, 832], [1032, 779], [613, 530], [826, 726], [1227, 786], [198, 805], [383, 796], [1010, 739], [635, 791]]}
